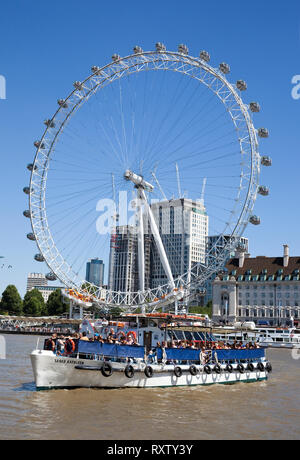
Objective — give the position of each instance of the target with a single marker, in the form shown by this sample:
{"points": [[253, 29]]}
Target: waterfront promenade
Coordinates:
{"points": [[37, 325]]}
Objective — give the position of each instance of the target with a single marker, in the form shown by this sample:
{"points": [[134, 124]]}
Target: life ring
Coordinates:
{"points": [[106, 370], [269, 367], [229, 368], [129, 371], [260, 367], [193, 370], [178, 371], [50, 345], [250, 367], [69, 346], [240, 368], [148, 371], [207, 369], [131, 333], [217, 369]]}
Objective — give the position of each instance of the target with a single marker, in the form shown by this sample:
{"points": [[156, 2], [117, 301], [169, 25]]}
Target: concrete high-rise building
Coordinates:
{"points": [[35, 280], [95, 272], [183, 227], [123, 270]]}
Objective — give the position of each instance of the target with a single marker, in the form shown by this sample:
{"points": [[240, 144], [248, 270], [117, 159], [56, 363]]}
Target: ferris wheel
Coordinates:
{"points": [[140, 163]]}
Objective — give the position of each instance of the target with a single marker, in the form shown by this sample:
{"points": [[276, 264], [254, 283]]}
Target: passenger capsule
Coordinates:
{"points": [[116, 57], [160, 46], [95, 69], [263, 132], [26, 190], [263, 190], [255, 220], [39, 258], [224, 68], [254, 107], [205, 56], [62, 103], [183, 49], [39, 144], [30, 167], [49, 123], [137, 50], [78, 85], [241, 85], [266, 161], [31, 236], [27, 213], [51, 277]]}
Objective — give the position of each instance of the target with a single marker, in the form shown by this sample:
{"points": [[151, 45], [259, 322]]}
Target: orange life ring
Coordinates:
{"points": [[69, 349], [129, 333]]}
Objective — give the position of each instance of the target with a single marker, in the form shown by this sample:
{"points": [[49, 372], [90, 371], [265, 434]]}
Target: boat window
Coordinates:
{"points": [[279, 339], [188, 335], [197, 336], [179, 335]]}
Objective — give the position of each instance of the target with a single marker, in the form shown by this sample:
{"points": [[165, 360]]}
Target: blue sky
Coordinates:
{"points": [[46, 46]]}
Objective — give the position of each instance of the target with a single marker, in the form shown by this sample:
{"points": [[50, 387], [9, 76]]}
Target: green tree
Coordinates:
{"points": [[11, 302], [33, 303], [207, 310], [56, 305]]}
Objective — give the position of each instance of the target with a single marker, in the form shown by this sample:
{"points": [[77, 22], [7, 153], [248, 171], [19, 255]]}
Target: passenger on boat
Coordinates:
{"points": [[123, 340], [111, 335], [204, 356], [83, 336], [152, 357]]}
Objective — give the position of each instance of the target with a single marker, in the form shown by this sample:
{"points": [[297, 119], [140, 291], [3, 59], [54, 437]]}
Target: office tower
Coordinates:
{"points": [[95, 272], [35, 280], [183, 227]]}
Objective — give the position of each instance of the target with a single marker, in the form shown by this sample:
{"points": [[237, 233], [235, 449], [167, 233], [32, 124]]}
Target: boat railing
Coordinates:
{"points": [[122, 353]]}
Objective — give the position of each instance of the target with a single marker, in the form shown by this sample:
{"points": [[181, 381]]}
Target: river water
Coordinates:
{"points": [[263, 410]]}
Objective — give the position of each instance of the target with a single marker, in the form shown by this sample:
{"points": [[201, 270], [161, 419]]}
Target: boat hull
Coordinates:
{"points": [[51, 371]]}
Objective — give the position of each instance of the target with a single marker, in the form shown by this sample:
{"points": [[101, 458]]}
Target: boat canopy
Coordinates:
{"points": [[188, 354], [254, 354], [180, 354], [108, 349]]}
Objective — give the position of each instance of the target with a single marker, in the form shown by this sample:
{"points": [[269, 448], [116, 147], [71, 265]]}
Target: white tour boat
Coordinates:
{"points": [[265, 336], [151, 362]]}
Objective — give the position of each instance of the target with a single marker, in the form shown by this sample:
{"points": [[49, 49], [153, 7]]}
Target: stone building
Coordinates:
{"points": [[261, 289]]}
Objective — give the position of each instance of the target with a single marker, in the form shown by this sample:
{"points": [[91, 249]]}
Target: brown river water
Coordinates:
{"points": [[263, 410]]}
